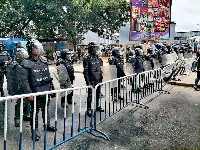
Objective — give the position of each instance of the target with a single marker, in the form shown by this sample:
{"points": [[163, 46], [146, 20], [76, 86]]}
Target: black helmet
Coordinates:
{"points": [[64, 52], [132, 53], [158, 46], [150, 50], [116, 51], [168, 46], [91, 47], [21, 53]]}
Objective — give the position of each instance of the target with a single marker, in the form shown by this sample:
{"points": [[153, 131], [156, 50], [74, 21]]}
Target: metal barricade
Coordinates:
{"points": [[126, 90], [115, 95], [66, 128]]}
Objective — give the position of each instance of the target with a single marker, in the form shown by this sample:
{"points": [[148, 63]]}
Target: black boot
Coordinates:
{"points": [[89, 113], [17, 123], [63, 102], [69, 98], [37, 135], [26, 118], [98, 108], [2, 94], [51, 128]]}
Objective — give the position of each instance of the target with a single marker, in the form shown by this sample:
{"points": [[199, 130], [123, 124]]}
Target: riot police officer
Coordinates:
{"points": [[118, 61], [66, 61], [137, 63], [93, 74], [4, 60], [148, 64], [39, 80], [17, 81]]}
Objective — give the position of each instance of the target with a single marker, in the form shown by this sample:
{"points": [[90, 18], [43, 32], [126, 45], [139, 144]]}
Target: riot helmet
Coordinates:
{"points": [[64, 53], [168, 46], [139, 52], [34, 48], [93, 47], [21, 53], [116, 51], [132, 53], [158, 46], [37, 44], [149, 50], [139, 46]]}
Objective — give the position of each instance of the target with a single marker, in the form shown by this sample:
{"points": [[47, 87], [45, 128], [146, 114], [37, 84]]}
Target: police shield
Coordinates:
{"points": [[174, 57], [180, 56], [156, 63], [147, 65], [164, 60], [109, 72], [63, 78], [190, 55], [128, 69]]}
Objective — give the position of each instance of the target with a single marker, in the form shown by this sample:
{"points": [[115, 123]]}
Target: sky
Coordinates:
{"points": [[186, 14]]}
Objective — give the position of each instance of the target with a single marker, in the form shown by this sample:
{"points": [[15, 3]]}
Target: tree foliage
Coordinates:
{"points": [[61, 18]]}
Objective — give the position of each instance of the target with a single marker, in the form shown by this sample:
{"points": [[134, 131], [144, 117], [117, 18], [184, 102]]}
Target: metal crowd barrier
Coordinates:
{"points": [[129, 89], [78, 119], [116, 95]]}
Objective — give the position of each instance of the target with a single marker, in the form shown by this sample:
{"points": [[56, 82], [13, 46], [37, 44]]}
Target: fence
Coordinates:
{"points": [[117, 94]]}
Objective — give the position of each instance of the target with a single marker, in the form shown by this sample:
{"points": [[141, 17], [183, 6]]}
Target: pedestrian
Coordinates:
{"points": [[4, 60], [54, 57], [17, 81], [79, 54], [195, 47], [39, 80], [66, 74], [93, 74], [198, 70]]}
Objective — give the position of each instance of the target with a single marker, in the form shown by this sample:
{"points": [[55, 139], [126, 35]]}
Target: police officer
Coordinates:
{"points": [[4, 60], [149, 59], [66, 61], [138, 62], [93, 74], [39, 81], [17, 81], [118, 61]]}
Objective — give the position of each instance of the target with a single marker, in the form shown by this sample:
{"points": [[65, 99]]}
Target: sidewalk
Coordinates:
{"points": [[186, 80], [78, 68]]}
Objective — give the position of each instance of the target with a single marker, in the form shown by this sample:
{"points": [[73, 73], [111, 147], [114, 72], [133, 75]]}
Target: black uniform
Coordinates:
{"points": [[17, 83], [39, 81], [93, 75], [3, 58]]}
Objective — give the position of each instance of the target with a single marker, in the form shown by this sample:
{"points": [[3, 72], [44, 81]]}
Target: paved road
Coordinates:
{"points": [[171, 122]]}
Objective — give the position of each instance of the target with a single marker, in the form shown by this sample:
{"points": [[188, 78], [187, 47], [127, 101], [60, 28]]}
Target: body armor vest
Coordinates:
{"points": [[39, 76]]}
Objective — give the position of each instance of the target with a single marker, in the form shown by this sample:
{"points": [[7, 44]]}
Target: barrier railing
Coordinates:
{"points": [[115, 94], [77, 120], [121, 92]]}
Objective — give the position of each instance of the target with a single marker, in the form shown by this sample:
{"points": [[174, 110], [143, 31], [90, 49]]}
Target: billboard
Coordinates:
{"points": [[150, 19]]}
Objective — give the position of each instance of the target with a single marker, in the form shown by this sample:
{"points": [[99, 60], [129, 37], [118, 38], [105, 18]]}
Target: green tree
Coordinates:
{"points": [[62, 18]]}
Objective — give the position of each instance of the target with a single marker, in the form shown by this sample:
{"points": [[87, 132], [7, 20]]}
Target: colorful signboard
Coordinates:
{"points": [[150, 19]]}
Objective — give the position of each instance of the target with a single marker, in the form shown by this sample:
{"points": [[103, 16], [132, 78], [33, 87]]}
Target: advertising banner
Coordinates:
{"points": [[150, 19]]}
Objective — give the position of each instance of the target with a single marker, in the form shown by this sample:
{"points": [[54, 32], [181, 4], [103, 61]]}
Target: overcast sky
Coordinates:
{"points": [[186, 14]]}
